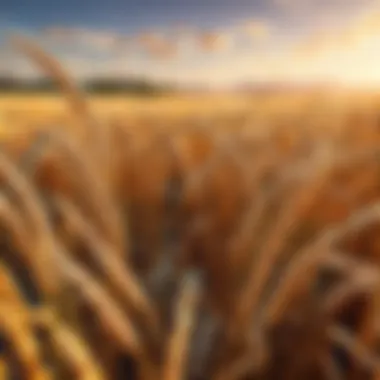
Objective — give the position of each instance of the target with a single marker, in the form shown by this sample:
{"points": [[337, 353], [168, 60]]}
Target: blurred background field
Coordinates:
{"points": [[20, 113]]}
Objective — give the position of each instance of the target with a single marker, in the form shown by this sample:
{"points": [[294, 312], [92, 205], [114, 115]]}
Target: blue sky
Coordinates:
{"points": [[128, 15], [251, 39]]}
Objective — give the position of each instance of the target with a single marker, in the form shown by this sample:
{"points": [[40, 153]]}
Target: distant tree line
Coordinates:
{"points": [[101, 86]]}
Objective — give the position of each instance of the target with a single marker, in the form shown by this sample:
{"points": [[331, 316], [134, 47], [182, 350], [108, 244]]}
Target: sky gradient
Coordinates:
{"points": [[216, 42]]}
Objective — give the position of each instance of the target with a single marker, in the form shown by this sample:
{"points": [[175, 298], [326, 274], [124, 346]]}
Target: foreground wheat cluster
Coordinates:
{"points": [[193, 254]]}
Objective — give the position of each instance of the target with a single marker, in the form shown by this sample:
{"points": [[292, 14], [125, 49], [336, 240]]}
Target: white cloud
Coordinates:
{"points": [[214, 41], [348, 36], [157, 45], [90, 38], [257, 29]]}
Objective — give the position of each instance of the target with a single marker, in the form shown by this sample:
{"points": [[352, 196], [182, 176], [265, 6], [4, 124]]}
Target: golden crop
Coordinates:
{"points": [[211, 238]]}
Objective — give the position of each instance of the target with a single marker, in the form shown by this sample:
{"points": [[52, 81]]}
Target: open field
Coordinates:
{"points": [[39, 109], [319, 113], [25, 112], [222, 238], [180, 104], [270, 176]]}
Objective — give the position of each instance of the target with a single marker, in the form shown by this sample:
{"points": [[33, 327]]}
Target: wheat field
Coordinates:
{"points": [[189, 237]]}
